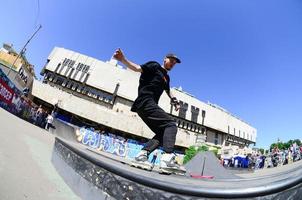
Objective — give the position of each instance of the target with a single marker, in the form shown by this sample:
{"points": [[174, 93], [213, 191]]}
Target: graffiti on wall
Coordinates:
{"points": [[111, 143]]}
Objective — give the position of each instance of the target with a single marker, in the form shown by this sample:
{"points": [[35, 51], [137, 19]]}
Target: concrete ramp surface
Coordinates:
{"points": [[207, 164]]}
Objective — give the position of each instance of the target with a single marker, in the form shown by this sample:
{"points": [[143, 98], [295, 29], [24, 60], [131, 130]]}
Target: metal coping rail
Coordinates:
{"points": [[261, 190]]}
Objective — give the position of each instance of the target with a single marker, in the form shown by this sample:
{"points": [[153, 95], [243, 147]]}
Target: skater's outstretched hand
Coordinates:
{"points": [[175, 103], [119, 55], [177, 107]]}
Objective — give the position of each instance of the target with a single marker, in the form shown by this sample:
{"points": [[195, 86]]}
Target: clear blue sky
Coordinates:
{"points": [[240, 54]]}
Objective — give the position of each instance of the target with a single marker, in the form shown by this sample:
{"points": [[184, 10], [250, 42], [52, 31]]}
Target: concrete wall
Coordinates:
{"points": [[119, 117]]}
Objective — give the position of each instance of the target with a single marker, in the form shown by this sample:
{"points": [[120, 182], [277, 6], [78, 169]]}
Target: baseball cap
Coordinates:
{"points": [[171, 55]]}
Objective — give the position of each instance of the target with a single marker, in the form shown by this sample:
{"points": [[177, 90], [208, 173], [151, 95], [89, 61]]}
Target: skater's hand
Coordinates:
{"points": [[177, 107], [175, 103], [119, 55]]}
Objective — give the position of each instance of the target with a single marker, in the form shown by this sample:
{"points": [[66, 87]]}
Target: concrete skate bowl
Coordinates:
{"points": [[114, 179]]}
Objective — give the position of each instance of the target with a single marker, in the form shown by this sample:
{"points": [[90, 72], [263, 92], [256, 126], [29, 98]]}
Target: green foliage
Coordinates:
{"points": [[285, 145], [215, 151], [261, 150], [298, 142], [189, 154], [192, 151], [202, 148]]}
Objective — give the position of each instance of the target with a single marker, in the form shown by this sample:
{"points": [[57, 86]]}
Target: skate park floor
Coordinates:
{"points": [[26, 170]]}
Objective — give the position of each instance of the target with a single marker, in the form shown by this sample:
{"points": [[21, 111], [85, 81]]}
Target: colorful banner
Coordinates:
{"points": [[6, 93]]}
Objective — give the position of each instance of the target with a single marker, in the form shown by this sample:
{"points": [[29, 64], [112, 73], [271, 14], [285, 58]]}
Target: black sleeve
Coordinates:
{"points": [[168, 85], [149, 67]]}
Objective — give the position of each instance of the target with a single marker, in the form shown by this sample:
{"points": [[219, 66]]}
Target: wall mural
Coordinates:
{"points": [[111, 143]]}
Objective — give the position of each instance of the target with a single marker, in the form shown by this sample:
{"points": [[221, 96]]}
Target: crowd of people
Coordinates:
{"points": [[279, 157], [259, 161], [22, 107], [17, 102]]}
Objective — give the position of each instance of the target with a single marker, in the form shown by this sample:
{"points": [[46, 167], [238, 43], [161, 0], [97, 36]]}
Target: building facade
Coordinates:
{"points": [[16, 67], [103, 92]]}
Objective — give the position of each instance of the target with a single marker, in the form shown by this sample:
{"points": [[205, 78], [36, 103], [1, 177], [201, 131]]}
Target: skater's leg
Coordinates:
{"points": [[169, 138], [168, 163], [152, 144], [164, 127], [158, 121]]}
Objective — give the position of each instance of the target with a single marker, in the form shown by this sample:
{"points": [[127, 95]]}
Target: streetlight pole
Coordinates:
{"points": [[23, 50]]}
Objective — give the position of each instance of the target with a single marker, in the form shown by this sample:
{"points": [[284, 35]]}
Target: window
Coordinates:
{"points": [[70, 84], [86, 68], [64, 83], [194, 112], [75, 86], [84, 90], [183, 109], [216, 139], [79, 89], [58, 66], [86, 78], [79, 66], [70, 73], [59, 81]]}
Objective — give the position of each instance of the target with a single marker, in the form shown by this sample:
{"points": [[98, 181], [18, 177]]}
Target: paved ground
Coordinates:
{"points": [[26, 170]]}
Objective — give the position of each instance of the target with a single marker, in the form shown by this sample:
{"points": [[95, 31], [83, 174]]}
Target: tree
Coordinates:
{"points": [[273, 146], [192, 151], [285, 145], [298, 142], [261, 150]]}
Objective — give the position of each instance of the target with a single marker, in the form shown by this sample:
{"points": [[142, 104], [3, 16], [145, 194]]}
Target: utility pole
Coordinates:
{"points": [[23, 50]]}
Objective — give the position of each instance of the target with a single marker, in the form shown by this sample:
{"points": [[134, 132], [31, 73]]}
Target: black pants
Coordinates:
{"points": [[162, 124]]}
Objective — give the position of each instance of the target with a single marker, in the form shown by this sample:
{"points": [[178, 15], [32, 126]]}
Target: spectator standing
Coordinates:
{"points": [[14, 104], [49, 121], [39, 116], [44, 119], [155, 155]]}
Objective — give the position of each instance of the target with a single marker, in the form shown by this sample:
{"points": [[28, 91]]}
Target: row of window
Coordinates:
{"points": [[80, 88], [248, 136], [194, 111], [233, 139], [70, 63], [189, 126]]}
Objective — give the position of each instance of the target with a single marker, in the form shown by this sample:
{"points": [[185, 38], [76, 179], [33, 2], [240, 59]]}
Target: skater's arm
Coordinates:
{"points": [[119, 55], [174, 100]]}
